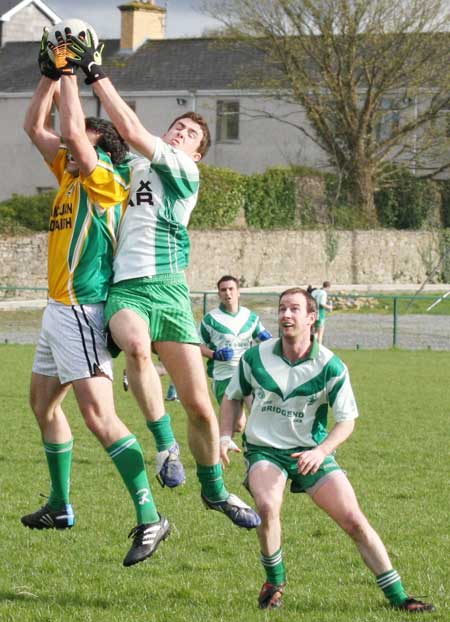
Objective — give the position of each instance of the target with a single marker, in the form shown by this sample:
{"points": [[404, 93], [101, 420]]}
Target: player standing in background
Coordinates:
{"points": [[71, 350], [227, 332], [149, 304], [320, 295], [294, 381]]}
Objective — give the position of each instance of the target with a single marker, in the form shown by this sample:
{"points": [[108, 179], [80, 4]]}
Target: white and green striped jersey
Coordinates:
{"points": [[222, 329], [153, 237], [321, 297], [291, 400]]}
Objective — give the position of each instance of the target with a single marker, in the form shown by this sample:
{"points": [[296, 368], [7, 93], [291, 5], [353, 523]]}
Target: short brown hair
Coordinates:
{"points": [[205, 142], [227, 277], [311, 305]]}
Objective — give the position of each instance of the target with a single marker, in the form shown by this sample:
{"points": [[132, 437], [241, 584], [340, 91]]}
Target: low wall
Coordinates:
{"points": [[263, 258]]}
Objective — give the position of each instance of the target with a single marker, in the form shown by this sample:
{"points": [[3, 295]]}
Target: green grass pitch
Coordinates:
{"points": [[208, 570]]}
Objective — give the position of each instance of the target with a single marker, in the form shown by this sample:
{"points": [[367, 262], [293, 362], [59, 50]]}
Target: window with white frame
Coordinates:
{"points": [[227, 128]]}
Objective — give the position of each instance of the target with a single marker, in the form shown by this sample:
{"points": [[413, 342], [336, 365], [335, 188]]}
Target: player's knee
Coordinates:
{"points": [[354, 524], [268, 510], [138, 352], [199, 411]]}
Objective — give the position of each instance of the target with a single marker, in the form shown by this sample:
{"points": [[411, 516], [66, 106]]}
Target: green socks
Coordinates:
{"points": [[128, 457], [162, 432], [211, 480], [274, 567], [59, 460], [391, 584]]}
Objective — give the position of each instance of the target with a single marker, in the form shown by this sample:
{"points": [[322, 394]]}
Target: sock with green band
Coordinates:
{"points": [[129, 460], [211, 480], [274, 567], [59, 460], [162, 432], [391, 584]]}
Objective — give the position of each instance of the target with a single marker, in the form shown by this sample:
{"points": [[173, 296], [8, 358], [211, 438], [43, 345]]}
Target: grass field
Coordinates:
{"points": [[209, 570]]}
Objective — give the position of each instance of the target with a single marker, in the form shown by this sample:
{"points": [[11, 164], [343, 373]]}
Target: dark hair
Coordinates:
{"points": [[227, 277], [310, 289], [109, 138], [205, 142], [326, 284], [311, 305]]}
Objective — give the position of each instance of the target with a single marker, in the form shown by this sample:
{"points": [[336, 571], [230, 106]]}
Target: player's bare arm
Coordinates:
{"points": [[125, 119], [309, 461], [230, 411], [36, 119], [73, 126]]}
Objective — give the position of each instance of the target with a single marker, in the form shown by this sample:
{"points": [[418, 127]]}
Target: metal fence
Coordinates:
{"points": [[362, 320], [359, 321]]}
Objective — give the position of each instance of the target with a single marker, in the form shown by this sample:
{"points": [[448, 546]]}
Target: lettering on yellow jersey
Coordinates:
{"points": [[59, 219], [61, 223], [143, 194]]}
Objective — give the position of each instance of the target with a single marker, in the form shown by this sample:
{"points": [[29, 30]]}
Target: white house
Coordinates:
{"points": [[160, 78]]}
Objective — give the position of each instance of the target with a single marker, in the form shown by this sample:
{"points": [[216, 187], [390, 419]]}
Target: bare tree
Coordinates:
{"points": [[373, 77]]}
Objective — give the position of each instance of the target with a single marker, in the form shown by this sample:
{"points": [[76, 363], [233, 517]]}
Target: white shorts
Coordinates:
{"points": [[72, 343]]}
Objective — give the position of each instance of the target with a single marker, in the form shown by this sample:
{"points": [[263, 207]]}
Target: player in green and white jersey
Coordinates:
{"points": [[295, 380], [149, 304], [320, 295], [227, 331]]}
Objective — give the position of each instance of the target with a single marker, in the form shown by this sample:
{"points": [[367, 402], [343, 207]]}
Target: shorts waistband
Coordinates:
{"points": [[171, 278]]}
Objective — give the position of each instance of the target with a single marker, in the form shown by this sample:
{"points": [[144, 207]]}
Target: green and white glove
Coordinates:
{"points": [[87, 56]]}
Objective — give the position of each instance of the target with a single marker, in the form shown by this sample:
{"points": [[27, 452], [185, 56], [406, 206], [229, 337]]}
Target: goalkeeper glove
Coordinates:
{"points": [[264, 335], [46, 66], [224, 354], [87, 56], [61, 52]]}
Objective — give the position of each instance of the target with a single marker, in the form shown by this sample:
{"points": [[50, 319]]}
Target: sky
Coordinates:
{"points": [[183, 17]]}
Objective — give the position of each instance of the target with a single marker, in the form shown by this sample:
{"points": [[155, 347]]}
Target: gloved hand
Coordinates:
{"points": [[61, 53], [264, 335], [46, 66], [224, 354], [87, 56]]}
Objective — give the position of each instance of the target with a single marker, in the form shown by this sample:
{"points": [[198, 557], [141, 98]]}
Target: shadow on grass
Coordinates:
{"points": [[74, 600]]}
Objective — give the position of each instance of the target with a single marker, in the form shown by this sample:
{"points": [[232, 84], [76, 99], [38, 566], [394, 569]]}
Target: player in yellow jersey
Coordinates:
{"points": [[94, 183]]}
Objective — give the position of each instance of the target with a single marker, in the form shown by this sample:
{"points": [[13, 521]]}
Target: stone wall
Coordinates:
{"points": [[262, 258]]}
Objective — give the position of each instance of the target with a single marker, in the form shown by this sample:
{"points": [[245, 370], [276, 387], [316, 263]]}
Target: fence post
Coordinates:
{"points": [[394, 335], [204, 303]]}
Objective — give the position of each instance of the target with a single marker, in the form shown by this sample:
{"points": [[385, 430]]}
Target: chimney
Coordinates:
{"points": [[141, 20]]}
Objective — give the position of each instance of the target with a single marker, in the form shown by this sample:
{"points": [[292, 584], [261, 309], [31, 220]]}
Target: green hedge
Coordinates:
{"points": [[30, 212], [220, 198], [444, 189], [268, 201], [407, 202]]}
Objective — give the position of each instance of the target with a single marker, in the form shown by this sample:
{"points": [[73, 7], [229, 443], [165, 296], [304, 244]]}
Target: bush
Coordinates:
{"points": [[406, 202], [270, 201], [31, 212], [220, 198], [444, 189]]}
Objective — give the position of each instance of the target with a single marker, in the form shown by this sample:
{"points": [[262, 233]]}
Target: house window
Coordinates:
{"points": [[227, 120], [390, 119]]}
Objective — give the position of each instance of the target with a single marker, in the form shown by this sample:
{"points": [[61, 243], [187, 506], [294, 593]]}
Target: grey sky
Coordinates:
{"points": [[183, 18]]}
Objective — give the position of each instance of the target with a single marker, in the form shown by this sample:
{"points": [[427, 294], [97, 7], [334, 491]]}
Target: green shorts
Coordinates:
{"points": [[320, 322], [219, 388], [282, 459], [162, 301]]}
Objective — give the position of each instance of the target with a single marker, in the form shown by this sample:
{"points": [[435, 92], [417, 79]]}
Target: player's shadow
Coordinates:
{"points": [[76, 600]]}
